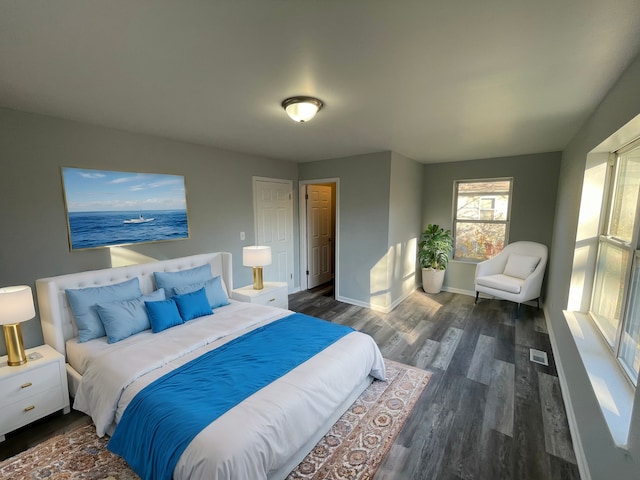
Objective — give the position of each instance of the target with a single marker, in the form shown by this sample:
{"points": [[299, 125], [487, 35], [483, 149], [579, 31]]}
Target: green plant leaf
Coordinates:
{"points": [[435, 247]]}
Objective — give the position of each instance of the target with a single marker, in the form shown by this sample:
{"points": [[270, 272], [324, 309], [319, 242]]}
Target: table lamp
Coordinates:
{"points": [[256, 257], [16, 305]]}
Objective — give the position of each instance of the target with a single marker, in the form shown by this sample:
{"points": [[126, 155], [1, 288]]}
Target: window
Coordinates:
{"points": [[615, 303], [481, 217]]}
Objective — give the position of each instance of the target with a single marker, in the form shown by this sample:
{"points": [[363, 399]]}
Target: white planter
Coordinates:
{"points": [[432, 280]]}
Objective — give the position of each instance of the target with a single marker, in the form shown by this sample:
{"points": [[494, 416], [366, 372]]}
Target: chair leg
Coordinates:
{"points": [[477, 294], [538, 302]]}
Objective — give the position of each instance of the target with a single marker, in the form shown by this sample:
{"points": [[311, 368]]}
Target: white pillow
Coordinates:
{"points": [[521, 266]]}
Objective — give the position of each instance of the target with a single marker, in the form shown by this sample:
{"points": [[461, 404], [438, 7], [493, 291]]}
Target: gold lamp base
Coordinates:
{"points": [[257, 278], [15, 347]]}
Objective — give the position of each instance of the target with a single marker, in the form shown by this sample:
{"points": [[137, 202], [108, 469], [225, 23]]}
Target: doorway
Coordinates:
{"points": [[319, 234]]}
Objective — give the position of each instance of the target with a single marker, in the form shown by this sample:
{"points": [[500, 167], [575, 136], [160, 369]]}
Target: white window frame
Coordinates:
{"points": [[630, 247], [609, 384], [506, 222]]}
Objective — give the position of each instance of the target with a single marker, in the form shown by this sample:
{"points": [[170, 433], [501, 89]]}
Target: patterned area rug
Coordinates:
{"points": [[353, 449]]}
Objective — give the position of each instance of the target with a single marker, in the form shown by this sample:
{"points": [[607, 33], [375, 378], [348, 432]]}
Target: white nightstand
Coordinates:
{"points": [[33, 390], [275, 294]]}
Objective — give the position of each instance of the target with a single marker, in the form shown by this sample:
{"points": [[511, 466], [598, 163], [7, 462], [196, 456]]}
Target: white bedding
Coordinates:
{"points": [[254, 438], [79, 355]]}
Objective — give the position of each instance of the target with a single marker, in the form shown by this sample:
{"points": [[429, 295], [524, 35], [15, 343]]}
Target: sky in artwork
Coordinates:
{"points": [[106, 191]]}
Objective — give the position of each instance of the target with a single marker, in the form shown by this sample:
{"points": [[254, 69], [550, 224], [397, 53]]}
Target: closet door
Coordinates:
{"points": [[273, 211]]}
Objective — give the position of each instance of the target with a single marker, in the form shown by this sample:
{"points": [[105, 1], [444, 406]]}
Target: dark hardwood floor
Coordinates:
{"points": [[488, 412]]}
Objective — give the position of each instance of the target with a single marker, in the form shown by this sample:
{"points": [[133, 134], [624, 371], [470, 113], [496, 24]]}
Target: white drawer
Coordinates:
{"points": [[283, 304], [31, 408], [275, 294], [31, 382], [277, 298]]}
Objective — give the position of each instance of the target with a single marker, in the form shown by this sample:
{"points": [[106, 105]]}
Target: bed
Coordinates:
{"points": [[265, 435]]}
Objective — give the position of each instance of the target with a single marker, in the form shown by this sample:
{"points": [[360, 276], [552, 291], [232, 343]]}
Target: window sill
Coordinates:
{"points": [[610, 386], [464, 260]]}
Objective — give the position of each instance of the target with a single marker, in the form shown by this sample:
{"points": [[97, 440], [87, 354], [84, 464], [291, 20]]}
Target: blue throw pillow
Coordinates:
{"points": [[213, 288], [170, 280], [83, 304], [193, 305], [163, 314], [128, 317]]}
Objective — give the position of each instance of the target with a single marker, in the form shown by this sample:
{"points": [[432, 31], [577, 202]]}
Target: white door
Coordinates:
{"points": [[319, 235], [273, 210]]}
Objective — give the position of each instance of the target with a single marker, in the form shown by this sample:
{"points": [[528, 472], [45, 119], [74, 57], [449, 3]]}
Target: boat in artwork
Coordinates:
{"points": [[140, 219]]}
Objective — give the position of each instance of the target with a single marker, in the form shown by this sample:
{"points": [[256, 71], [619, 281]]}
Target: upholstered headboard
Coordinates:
{"points": [[58, 324]]}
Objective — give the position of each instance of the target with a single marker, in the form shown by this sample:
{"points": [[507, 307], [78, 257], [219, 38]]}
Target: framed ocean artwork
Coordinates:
{"points": [[106, 208]]}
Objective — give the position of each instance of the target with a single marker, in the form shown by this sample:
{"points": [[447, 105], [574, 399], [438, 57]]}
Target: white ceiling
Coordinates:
{"points": [[432, 80]]}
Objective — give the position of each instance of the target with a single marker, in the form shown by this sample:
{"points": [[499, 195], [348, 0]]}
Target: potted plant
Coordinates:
{"points": [[435, 247]]}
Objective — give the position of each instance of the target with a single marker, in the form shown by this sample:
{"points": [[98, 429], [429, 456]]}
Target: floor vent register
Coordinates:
{"points": [[538, 356]]}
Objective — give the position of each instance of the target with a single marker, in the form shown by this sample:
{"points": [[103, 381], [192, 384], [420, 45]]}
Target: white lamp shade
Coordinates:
{"points": [[256, 256], [16, 305]]}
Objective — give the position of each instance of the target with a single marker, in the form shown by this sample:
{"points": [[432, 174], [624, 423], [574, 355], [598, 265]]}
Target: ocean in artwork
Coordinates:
{"points": [[100, 229]]}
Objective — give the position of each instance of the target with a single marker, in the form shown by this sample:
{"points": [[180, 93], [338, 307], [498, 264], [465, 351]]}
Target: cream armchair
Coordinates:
{"points": [[515, 274]]}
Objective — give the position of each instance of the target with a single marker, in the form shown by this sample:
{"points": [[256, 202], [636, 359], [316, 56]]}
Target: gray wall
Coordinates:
{"points": [[605, 460], [535, 182], [405, 214], [363, 218], [33, 234]]}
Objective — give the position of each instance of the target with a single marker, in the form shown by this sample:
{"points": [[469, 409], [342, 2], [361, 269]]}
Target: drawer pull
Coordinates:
{"points": [[272, 300], [30, 407], [25, 385]]}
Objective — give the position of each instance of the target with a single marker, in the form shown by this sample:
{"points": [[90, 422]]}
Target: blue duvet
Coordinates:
{"points": [[164, 417]]}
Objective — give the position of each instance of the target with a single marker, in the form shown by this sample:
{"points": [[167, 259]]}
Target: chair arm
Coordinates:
{"points": [[489, 267], [533, 284]]}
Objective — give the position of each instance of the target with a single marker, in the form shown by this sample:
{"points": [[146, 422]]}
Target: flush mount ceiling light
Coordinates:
{"points": [[302, 109]]}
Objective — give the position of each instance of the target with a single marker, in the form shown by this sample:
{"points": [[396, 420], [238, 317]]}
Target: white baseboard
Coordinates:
{"points": [[353, 301], [581, 458], [399, 300], [460, 291], [376, 308]]}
